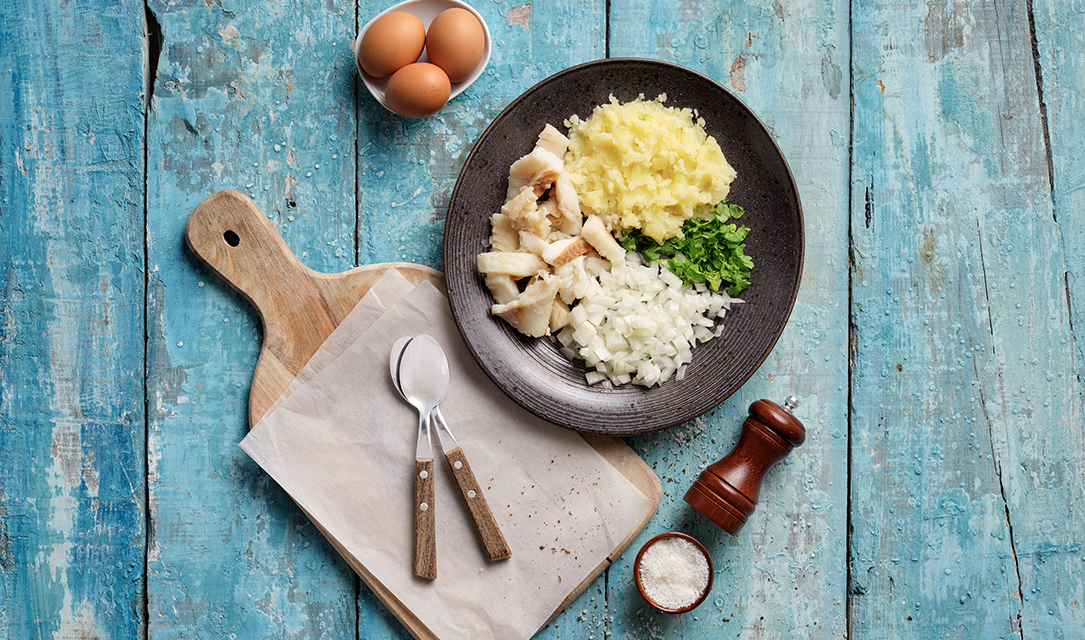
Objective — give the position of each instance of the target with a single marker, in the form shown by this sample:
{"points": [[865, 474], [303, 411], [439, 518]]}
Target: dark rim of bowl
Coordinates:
{"points": [[658, 424]]}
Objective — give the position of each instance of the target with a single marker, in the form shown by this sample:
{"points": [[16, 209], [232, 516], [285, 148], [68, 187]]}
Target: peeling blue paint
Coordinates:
{"points": [[933, 345]]}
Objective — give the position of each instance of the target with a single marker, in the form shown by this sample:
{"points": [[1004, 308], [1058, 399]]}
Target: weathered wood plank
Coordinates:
{"points": [[408, 168], [256, 97], [967, 428], [72, 524], [784, 575], [1059, 29], [1059, 34], [966, 459]]}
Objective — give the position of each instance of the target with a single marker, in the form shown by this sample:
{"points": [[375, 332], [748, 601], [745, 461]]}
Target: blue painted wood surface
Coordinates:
{"points": [[72, 449], [247, 96], [936, 344], [967, 441]]}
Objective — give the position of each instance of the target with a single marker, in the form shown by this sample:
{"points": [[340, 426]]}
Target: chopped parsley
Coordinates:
{"points": [[710, 250]]}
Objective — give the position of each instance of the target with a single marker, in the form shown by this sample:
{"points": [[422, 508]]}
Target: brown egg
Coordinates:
{"points": [[392, 42], [417, 90], [456, 43]]}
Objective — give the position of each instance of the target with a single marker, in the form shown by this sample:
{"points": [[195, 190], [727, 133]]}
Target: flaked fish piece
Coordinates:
{"points": [[596, 233], [565, 197], [502, 288], [523, 203], [537, 170], [532, 243], [530, 312], [523, 209], [553, 141], [566, 250], [516, 264], [503, 233], [559, 316], [560, 226], [576, 281]]}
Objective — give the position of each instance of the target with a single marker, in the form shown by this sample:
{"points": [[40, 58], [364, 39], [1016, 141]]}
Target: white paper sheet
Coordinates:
{"points": [[341, 442]]}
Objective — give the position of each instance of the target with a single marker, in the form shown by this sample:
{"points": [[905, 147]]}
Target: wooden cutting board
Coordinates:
{"points": [[300, 307]]}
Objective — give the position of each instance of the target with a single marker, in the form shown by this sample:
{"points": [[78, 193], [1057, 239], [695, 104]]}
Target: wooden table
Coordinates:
{"points": [[940, 155]]}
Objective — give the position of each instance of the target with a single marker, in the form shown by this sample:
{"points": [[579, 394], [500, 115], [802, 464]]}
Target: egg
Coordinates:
{"points": [[456, 42], [392, 42], [417, 90]]}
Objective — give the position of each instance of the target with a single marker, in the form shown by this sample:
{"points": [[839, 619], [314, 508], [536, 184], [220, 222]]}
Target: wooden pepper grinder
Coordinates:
{"points": [[726, 492]]}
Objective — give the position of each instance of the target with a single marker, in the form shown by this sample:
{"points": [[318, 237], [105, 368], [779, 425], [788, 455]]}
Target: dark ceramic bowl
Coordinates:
{"points": [[532, 371], [640, 586]]}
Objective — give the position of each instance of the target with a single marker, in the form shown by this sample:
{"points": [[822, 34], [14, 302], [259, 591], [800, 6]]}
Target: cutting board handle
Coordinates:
{"points": [[298, 306], [233, 237]]}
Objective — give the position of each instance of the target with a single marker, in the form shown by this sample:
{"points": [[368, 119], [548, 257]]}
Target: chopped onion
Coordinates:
{"points": [[641, 324]]}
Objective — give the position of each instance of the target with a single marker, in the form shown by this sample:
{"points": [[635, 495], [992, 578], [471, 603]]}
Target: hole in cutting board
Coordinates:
{"points": [[231, 238]]}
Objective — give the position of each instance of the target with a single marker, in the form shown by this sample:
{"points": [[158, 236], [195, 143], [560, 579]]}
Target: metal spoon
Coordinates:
{"points": [[490, 533], [423, 384]]}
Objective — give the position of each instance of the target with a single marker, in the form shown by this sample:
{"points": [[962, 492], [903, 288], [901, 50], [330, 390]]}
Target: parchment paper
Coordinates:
{"points": [[341, 442]]}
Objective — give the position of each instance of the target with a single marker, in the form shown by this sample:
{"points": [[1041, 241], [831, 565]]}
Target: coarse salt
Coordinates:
{"points": [[673, 573]]}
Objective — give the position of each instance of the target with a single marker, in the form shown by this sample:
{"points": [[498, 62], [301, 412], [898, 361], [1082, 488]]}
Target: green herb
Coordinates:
{"points": [[710, 250]]}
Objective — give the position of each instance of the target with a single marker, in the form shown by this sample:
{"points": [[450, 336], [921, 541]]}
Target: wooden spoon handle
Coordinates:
{"points": [[496, 547], [425, 538]]}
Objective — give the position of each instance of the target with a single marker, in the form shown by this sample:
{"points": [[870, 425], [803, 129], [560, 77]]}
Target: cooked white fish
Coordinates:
{"points": [[553, 141], [566, 250], [564, 196], [560, 225], [530, 312], [532, 243], [502, 288], [523, 209], [516, 264], [537, 170], [595, 232], [503, 233], [576, 281], [559, 315]]}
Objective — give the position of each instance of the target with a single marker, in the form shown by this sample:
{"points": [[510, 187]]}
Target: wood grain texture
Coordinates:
{"points": [[1060, 588], [1059, 29], [425, 539], [489, 531], [955, 189], [784, 575], [407, 170], [72, 498], [256, 97], [298, 307], [966, 419]]}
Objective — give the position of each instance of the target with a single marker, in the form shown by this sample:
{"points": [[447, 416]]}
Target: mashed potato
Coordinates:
{"points": [[643, 165]]}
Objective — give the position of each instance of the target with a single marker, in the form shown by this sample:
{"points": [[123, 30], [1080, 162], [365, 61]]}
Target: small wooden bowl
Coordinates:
{"points": [[640, 587]]}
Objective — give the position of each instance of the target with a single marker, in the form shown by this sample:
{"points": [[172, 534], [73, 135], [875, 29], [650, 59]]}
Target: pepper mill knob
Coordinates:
{"points": [[726, 492]]}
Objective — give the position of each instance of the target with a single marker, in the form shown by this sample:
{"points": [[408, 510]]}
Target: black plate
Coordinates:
{"points": [[531, 371]]}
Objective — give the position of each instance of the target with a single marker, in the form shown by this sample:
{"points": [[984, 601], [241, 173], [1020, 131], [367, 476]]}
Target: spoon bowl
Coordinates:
{"points": [[423, 373]]}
